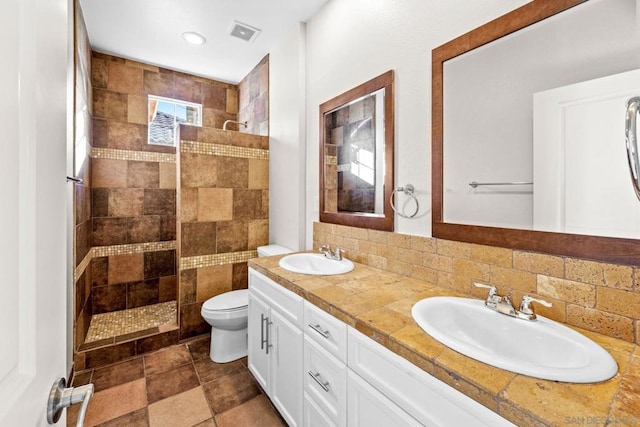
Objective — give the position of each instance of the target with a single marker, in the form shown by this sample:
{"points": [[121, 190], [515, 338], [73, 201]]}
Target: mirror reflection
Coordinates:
{"points": [[356, 155], [537, 120]]}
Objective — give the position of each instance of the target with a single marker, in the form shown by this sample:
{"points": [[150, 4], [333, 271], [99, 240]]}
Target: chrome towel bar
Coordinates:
{"points": [[631, 139], [475, 184]]}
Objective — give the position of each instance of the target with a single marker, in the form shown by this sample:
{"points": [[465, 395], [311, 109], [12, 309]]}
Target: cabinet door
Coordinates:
{"points": [[286, 368], [368, 407], [314, 416], [258, 359]]}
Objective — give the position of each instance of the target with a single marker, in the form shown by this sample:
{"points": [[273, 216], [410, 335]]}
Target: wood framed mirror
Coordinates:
{"points": [[357, 156], [548, 19]]}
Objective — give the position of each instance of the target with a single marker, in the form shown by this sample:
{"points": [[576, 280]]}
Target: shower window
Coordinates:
{"points": [[166, 114]]}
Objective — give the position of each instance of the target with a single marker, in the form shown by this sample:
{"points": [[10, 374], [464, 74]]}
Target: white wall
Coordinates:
{"points": [[352, 41], [286, 141]]}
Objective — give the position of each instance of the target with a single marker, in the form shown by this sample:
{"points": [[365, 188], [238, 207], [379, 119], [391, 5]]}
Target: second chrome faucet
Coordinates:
{"points": [[334, 255], [503, 304]]}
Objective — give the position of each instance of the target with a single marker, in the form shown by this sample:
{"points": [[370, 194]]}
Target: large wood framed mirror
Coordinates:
{"points": [[356, 156], [528, 131]]}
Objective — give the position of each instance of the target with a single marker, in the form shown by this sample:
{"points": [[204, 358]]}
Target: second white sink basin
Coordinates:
{"points": [[316, 264], [541, 348]]}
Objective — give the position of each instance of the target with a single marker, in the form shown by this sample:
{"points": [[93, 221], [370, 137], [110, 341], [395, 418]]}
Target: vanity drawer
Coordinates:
{"points": [[288, 304], [325, 381], [314, 416], [329, 332], [424, 397]]}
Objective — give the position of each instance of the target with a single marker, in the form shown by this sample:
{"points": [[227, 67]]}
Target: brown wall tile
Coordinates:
{"points": [[604, 323], [240, 276], [539, 263], [137, 109], [168, 228], [124, 202], [187, 89], [100, 271], [127, 136], [566, 290], [109, 355], [109, 105], [618, 301], [125, 268], [216, 204], [109, 298], [109, 173], [258, 233], [168, 288], [232, 236], [159, 263], [145, 229], [143, 174], [198, 170], [198, 238], [159, 84], [212, 281], [191, 321], [124, 79], [215, 97], [187, 290], [143, 293], [232, 173], [258, 173], [159, 202], [168, 175], [110, 231], [247, 204]]}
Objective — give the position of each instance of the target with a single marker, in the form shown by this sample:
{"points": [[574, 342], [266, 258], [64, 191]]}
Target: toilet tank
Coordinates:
{"points": [[271, 250]]}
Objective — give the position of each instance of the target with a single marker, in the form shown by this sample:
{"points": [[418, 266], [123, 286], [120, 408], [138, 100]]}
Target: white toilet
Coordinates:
{"points": [[227, 314]]}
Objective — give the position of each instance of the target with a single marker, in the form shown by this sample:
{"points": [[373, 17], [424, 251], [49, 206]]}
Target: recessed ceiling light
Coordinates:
{"points": [[193, 38]]}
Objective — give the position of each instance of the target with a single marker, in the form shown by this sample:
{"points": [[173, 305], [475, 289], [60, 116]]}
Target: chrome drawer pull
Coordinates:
{"points": [[317, 378], [319, 330]]}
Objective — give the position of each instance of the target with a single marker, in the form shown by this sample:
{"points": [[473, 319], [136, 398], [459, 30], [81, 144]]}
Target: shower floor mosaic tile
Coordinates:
{"points": [[116, 323]]}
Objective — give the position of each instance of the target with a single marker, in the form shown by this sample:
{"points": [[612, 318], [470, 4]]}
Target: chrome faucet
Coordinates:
{"points": [[335, 255], [503, 304]]}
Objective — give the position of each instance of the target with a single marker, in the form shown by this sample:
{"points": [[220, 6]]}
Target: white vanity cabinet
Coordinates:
{"points": [[275, 344], [319, 372]]}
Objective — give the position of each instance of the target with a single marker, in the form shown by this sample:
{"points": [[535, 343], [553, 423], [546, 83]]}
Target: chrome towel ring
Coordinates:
{"points": [[631, 136], [408, 190]]}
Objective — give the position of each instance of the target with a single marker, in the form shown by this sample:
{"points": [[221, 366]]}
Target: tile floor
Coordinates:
{"points": [[176, 386]]}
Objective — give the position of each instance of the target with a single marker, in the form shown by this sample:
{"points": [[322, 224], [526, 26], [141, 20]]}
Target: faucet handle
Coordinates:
{"points": [[492, 289], [527, 309], [527, 300]]}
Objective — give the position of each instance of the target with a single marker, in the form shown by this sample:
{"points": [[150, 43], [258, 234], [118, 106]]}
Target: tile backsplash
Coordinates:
{"points": [[596, 296]]}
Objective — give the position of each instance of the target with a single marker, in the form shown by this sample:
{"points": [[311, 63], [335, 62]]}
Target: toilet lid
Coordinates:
{"points": [[233, 300]]}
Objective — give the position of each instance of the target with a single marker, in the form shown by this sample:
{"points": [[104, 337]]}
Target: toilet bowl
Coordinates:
{"points": [[227, 314]]}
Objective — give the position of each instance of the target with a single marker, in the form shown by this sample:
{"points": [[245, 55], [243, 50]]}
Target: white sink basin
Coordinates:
{"points": [[316, 264], [541, 348]]}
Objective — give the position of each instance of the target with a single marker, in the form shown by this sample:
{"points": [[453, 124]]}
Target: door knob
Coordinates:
{"points": [[61, 397]]}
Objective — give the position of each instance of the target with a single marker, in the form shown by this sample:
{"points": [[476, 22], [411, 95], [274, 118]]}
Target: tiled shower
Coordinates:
{"points": [[159, 230]]}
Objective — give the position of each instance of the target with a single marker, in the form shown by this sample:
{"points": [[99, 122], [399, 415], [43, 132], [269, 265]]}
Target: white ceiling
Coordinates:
{"points": [[151, 31]]}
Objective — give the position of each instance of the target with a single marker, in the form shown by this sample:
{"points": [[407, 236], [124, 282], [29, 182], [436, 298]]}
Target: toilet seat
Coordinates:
{"points": [[228, 301]]}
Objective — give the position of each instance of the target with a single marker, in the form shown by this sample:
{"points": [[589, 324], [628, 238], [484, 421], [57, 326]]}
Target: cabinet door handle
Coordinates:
{"points": [[268, 323], [262, 340], [319, 330], [317, 378]]}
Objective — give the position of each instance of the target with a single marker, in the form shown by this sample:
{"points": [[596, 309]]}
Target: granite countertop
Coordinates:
{"points": [[378, 303]]}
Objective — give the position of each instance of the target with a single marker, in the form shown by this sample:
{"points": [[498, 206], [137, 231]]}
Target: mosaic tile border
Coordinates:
{"points": [[80, 268], [144, 156], [195, 147], [133, 248], [200, 261], [330, 160]]}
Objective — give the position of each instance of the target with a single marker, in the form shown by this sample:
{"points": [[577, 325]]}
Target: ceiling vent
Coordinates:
{"points": [[244, 31]]}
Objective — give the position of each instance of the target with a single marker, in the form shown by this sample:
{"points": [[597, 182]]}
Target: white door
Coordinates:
{"points": [[581, 175], [33, 117]]}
